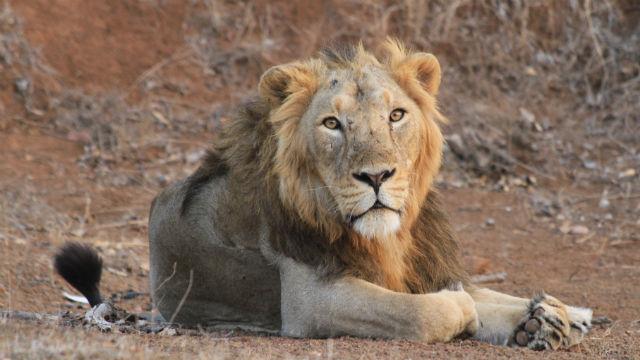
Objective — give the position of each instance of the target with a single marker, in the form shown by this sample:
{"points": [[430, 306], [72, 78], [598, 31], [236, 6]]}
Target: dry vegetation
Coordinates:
{"points": [[103, 104]]}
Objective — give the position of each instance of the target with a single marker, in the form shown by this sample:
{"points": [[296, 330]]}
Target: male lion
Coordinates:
{"points": [[314, 214]]}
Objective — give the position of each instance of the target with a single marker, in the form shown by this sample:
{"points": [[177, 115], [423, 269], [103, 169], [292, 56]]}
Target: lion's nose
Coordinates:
{"points": [[374, 180]]}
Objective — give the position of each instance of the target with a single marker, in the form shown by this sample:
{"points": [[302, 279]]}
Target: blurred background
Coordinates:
{"points": [[104, 103]]}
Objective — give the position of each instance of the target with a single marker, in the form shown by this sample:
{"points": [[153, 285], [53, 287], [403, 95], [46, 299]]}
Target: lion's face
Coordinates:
{"points": [[358, 144], [363, 133]]}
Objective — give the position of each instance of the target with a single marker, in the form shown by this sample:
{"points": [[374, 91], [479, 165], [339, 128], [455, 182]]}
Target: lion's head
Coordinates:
{"points": [[358, 142]]}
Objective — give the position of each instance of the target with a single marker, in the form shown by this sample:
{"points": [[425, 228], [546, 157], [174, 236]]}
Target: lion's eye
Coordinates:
{"points": [[397, 115], [331, 123]]}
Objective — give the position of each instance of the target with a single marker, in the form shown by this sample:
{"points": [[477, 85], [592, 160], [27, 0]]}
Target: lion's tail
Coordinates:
{"points": [[81, 266]]}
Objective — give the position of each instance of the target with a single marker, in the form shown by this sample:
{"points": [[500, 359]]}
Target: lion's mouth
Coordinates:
{"points": [[378, 205]]}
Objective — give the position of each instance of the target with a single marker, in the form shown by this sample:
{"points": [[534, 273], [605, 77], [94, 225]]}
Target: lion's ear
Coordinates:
{"points": [[280, 82], [421, 67]]}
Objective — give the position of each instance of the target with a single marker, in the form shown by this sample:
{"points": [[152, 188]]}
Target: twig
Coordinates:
{"points": [[601, 320], [141, 223], [488, 278], [510, 159], [173, 273], [585, 238], [179, 55], [598, 197], [28, 316], [184, 297]]}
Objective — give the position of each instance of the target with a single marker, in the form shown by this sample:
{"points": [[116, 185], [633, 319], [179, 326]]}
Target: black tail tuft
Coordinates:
{"points": [[81, 266]]}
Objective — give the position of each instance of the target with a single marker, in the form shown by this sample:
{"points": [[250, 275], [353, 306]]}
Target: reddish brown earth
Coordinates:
{"points": [[57, 185]]}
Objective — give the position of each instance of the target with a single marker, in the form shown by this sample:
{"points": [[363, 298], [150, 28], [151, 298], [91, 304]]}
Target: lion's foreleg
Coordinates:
{"points": [[315, 307], [498, 314]]}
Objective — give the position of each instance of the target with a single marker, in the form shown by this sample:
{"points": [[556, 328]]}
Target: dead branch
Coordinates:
{"points": [[489, 278]]}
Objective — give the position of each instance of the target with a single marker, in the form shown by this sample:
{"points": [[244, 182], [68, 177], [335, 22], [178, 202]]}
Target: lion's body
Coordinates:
{"points": [[232, 281], [298, 225], [216, 213]]}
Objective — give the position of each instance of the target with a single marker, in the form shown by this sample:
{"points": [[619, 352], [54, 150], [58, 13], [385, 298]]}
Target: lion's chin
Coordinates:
{"points": [[378, 223]]}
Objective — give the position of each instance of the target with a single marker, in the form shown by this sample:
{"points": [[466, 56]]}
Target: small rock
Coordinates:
{"points": [[527, 115], [588, 164], [168, 332], [518, 182], [604, 202], [544, 206], [83, 137], [489, 222], [565, 227], [22, 86], [194, 156], [627, 174], [579, 230], [531, 180], [78, 232]]}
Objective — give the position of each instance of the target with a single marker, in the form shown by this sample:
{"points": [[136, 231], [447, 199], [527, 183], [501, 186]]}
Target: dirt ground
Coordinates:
{"points": [[102, 104]]}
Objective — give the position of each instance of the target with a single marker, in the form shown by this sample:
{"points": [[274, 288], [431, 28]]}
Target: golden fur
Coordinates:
{"points": [[263, 149], [314, 214]]}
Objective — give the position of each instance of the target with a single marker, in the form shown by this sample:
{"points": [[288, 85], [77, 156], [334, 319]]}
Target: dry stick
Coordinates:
{"points": [[141, 223], [28, 316], [487, 278], [507, 157], [594, 37], [598, 197], [118, 209], [184, 297], [173, 273], [585, 238], [179, 55]]}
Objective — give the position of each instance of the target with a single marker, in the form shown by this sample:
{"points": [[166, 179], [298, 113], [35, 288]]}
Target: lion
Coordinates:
{"points": [[315, 215]]}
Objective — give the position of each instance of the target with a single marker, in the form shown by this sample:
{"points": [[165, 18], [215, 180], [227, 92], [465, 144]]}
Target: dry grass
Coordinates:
{"points": [[23, 213], [22, 67], [50, 341], [571, 65]]}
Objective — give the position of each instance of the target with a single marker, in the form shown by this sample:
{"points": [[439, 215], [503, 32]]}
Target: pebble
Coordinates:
{"points": [[627, 174], [168, 332], [579, 230], [567, 228], [194, 156]]}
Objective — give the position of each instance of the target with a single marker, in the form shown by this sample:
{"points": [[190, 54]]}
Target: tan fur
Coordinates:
{"points": [[288, 165], [297, 192]]}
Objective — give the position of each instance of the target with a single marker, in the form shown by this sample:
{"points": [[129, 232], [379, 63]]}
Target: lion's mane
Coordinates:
{"points": [[259, 150]]}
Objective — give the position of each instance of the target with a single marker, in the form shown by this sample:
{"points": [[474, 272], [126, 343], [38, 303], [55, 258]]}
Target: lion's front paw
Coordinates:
{"points": [[550, 324], [469, 320]]}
